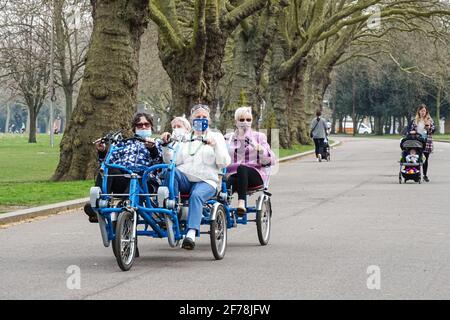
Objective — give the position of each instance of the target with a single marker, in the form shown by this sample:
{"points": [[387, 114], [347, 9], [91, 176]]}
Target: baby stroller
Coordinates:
{"points": [[326, 150], [411, 170]]}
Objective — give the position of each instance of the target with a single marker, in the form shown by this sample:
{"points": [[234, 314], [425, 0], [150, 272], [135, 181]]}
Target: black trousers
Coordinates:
{"points": [[245, 178], [425, 164], [319, 146], [121, 184]]}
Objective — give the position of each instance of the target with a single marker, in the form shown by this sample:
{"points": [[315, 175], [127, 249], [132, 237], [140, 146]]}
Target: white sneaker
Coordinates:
{"points": [[241, 210], [320, 158]]}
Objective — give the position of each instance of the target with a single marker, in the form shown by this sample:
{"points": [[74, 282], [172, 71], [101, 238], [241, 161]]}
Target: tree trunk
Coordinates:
{"points": [[279, 104], [68, 94], [277, 93], [437, 122], [195, 77], [241, 80], [32, 124], [8, 117], [108, 92], [333, 119], [379, 125]]}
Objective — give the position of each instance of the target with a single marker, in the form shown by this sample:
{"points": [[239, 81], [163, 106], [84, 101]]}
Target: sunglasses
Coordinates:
{"points": [[142, 125], [248, 120], [199, 106]]}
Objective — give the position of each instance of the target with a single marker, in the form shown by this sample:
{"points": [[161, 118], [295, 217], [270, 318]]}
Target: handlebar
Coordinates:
{"points": [[113, 136]]}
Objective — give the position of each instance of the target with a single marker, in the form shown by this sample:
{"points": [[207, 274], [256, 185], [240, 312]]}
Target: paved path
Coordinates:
{"points": [[331, 222]]}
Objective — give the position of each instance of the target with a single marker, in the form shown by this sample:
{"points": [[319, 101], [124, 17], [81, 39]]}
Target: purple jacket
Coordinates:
{"points": [[242, 152]]}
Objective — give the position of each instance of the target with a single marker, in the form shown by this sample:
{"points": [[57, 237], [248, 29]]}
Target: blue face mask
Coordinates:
{"points": [[200, 124], [144, 133]]}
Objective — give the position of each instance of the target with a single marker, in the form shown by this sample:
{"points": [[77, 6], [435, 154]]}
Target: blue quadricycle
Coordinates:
{"points": [[124, 217]]}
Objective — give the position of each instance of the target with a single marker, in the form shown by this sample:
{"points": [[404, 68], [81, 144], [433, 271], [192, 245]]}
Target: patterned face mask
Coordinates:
{"points": [[200, 124], [244, 125], [178, 133]]}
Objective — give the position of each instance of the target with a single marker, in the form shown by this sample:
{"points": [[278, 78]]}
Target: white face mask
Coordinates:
{"points": [[244, 125], [178, 133], [144, 133]]}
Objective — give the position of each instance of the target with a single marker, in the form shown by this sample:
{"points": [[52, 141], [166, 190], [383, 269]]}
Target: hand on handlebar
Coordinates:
{"points": [[165, 137], [149, 142], [100, 145], [210, 141]]}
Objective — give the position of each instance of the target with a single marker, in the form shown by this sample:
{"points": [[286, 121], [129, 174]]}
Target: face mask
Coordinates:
{"points": [[178, 133], [144, 133], [244, 125], [200, 124]]}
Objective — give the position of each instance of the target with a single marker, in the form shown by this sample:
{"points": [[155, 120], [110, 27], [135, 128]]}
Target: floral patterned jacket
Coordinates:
{"points": [[134, 154]]}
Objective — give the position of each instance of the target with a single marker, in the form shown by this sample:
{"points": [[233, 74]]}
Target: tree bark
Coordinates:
{"points": [[108, 92], [8, 117], [32, 125], [437, 122], [68, 94]]}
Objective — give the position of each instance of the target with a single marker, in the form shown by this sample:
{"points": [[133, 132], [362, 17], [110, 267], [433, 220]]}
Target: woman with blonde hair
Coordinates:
{"points": [[250, 153], [423, 125]]}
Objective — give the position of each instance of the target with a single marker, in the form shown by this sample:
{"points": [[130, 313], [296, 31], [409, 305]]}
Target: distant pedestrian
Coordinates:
{"points": [[319, 132], [423, 125], [57, 125]]}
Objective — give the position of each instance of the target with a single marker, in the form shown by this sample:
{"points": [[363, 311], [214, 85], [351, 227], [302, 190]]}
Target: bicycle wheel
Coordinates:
{"points": [[125, 243], [263, 222], [218, 234]]}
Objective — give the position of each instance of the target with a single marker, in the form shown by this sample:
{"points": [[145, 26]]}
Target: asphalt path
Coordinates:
{"points": [[341, 230]]}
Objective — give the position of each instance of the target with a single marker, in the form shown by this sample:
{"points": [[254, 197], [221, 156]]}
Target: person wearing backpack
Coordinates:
{"points": [[318, 133]]}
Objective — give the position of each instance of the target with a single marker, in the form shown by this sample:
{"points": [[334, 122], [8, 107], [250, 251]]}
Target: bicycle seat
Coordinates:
{"points": [[252, 190], [184, 196]]}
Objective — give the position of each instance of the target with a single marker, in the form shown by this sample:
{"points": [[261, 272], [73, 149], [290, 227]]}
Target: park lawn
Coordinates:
{"points": [[26, 170], [36, 193], [297, 148]]}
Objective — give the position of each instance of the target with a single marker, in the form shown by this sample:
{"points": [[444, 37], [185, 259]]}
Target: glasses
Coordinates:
{"points": [[199, 106], [142, 125], [248, 120]]}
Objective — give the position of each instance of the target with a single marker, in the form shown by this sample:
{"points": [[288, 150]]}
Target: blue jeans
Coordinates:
{"points": [[200, 192]]}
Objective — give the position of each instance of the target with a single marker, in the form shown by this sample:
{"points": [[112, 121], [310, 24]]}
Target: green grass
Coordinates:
{"points": [[297, 148], [42, 192], [26, 170]]}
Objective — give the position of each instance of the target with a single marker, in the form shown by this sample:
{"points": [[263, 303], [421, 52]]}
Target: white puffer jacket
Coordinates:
{"points": [[206, 162]]}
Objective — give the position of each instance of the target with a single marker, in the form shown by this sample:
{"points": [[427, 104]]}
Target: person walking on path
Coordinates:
{"points": [[423, 125], [318, 133]]}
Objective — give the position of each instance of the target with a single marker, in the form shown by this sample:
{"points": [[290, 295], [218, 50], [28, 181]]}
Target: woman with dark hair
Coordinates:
{"points": [[423, 125], [319, 133], [134, 153]]}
